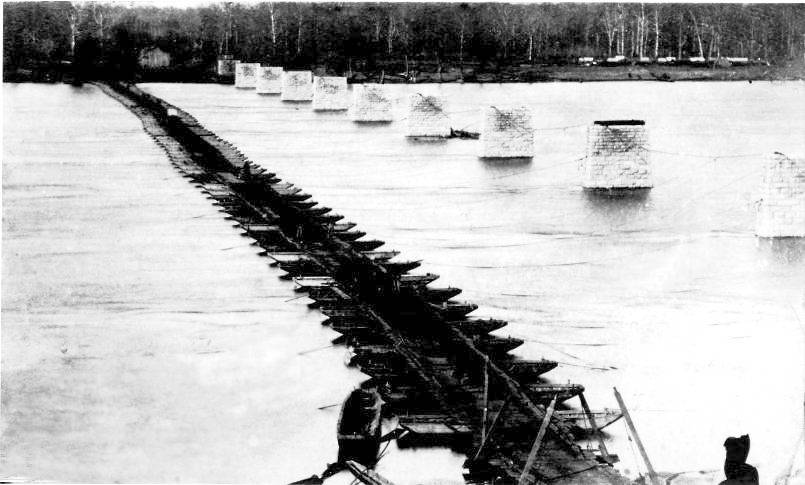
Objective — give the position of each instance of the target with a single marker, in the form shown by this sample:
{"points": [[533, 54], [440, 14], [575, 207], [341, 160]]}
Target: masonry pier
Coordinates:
{"points": [[617, 157]]}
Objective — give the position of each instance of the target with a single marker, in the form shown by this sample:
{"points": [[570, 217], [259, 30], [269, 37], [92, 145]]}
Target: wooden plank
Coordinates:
{"points": [[601, 446], [429, 428], [261, 228], [525, 476], [652, 475], [365, 475], [486, 399], [229, 178], [491, 427]]}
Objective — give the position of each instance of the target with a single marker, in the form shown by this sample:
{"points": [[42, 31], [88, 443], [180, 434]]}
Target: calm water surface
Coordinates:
{"points": [[144, 340]]}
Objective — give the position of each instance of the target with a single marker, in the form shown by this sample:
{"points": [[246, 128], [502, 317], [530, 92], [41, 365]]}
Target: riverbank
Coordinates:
{"points": [[577, 73], [474, 74]]}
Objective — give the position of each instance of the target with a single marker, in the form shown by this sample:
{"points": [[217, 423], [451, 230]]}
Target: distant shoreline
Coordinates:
{"points": [[511, 74], [571, 73]]}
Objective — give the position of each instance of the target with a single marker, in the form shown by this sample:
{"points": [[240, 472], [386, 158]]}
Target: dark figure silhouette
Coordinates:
{"points": [[737, 471]]}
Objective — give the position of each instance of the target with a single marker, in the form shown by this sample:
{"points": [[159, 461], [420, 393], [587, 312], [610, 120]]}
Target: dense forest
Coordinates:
{"points": [[108, 37]]}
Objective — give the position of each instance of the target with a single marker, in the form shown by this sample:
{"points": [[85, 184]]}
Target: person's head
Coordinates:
{"points": [[737, 448]]}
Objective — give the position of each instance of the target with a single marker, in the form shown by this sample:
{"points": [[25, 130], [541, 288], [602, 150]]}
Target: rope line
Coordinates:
{"points": [[691, 200], [559, 127], [539, 168], [713, 191], [637, 462], [701, 155]]}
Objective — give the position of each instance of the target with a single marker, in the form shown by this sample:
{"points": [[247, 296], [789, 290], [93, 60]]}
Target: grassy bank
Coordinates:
{"points": [[573, 73], [469, 74]]}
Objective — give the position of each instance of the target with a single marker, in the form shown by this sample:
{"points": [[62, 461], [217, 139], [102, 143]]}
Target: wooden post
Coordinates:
{"points": [[601, 446], [491, 427], [524, 480], [486, 399], [652, 475], [365, 475]]}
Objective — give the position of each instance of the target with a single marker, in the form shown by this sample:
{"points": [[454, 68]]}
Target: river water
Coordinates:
{"points": [[145, 340]]}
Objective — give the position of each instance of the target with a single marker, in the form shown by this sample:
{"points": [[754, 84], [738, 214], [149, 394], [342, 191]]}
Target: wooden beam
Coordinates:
{"points": [[516, 392], [486, 398], [601, 446], [365, 475], [652, 475], [526, 474], [491, 427]]}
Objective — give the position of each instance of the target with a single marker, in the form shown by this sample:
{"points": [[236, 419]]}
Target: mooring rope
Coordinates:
{"points": [[690, 200], [590, 367], [585, 364], [474, 110], [634, 453], [706, 156], [559, 127], [309, 351], [505, 266], [539, 169], [570, 474], [382, 452]]}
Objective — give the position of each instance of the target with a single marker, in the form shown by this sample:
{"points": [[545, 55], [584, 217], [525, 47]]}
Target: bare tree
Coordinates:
{"points": [[74, 15], [300, 13], [656, 31], [391, 34], [534, 19], [504, 25], [643, 31], [97, 17], [609, 24], [272, 16], [463, 17], [698, 33]]}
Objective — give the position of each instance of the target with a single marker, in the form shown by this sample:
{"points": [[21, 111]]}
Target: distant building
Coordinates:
{"points": [[738, 61], [619, 59], [154, 57]]}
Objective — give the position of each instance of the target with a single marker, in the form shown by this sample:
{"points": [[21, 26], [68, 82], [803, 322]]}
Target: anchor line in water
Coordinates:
{"points": [[385, 314], [691, 200], [539, 169], [704, 155]]}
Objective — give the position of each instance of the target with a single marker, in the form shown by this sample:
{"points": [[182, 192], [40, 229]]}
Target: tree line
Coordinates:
{"points": [[346, 36]]}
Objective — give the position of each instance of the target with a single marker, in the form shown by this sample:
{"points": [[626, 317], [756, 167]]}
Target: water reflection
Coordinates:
{"points": [[369, 124], [782, 249], [515, 162], [618, 206], [434, 140]]}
